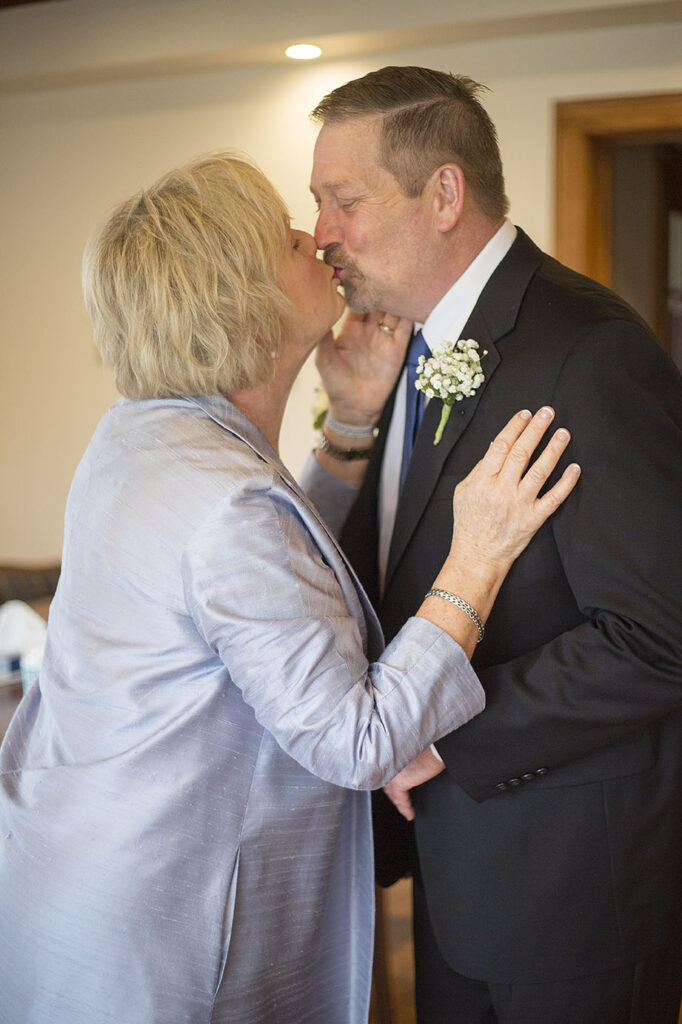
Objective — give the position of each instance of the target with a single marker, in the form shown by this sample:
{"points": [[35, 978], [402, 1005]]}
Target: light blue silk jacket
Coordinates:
{"points": [[184, 836]]}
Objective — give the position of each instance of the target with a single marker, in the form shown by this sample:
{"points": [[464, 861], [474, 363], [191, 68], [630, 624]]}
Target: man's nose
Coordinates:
{"points": [[327, 230]]}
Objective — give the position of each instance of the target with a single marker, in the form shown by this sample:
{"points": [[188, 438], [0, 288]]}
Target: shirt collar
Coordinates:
{"points": [[448, 318]]}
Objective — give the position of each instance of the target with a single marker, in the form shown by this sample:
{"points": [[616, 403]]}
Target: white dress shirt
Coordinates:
{"points": [[445, 323]]}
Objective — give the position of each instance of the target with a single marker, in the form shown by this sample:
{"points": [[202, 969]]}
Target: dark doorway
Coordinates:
{"points": [[646, 236], [619, 202]]}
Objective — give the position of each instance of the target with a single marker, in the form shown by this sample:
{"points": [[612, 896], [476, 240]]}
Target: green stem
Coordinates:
{"points": [[444, 417]]}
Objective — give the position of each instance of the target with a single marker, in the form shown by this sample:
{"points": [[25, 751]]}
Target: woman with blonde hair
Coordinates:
{"points": [[184, 822]]}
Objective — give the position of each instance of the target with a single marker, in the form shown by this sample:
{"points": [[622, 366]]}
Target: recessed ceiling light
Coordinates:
{"points": [[303, 51]]}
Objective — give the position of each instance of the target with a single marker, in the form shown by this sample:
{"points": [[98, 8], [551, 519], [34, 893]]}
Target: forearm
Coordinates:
{"points": [[294, 643], [475, 581], [351, 471], [359, 368]]}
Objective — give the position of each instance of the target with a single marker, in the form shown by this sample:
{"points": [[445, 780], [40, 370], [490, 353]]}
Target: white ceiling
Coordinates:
{"points": [[77, 41]]}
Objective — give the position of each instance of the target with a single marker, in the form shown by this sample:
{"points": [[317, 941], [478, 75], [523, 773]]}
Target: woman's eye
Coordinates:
{"points": [[295, 243]]}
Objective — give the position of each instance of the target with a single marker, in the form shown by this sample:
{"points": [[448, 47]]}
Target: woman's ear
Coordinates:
{"points": [[448, 196]]}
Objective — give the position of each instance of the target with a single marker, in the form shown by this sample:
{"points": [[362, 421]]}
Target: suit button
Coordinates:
{"points": [[501, 787], [528, 777], [541, 771], [515, 782]]}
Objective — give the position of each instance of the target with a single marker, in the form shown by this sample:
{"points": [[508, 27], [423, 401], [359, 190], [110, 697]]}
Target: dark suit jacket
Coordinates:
{"points": [[550, 847]]}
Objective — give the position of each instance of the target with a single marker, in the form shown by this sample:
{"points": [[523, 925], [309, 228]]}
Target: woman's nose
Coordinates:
{"points": [[308, 243]]}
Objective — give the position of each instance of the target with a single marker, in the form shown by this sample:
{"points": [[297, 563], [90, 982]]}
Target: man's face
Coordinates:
{"points": [[371, 232]]}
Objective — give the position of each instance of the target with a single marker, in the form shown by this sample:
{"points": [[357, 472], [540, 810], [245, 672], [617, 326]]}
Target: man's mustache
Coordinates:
{"points": [[332, 256]]}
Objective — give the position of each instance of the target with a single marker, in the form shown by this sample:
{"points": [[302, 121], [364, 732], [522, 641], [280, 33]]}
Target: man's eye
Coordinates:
{"points": [[347, 204]]}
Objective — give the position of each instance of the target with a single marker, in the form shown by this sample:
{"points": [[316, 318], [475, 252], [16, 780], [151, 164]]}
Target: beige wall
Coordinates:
{"points": [[70, 153]]}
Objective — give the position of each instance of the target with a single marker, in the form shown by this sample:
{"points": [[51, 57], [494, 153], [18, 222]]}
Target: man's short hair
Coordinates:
{"points": [[182, 286], [429, 118]]}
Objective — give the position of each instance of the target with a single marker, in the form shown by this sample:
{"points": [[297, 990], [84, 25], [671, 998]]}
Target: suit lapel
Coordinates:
{"points": [[494, 316], [428, 459]]}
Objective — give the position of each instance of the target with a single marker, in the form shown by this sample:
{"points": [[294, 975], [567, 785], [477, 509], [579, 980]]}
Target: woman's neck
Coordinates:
{"points": [[264, 405]]}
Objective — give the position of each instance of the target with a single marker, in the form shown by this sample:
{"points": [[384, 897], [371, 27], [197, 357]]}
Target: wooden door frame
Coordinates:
{"points": [[586, 131]]}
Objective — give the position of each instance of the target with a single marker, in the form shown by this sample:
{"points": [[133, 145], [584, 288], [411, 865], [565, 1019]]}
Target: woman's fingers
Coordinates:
{"points": [[500, 448], [550, 501], [397, 328], [496, 508], [402, 332], [536, 477], [512, 449], [525, 445]]}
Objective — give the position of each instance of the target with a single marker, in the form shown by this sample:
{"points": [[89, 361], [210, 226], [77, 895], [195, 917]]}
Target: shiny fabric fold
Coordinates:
{"points": [[184, 832]]}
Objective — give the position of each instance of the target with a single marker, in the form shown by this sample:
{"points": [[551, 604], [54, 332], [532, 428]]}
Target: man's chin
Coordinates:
{"points": [[356, 301]]}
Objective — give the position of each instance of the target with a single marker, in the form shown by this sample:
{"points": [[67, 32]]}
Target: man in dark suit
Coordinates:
{"points": [[548, 829]]}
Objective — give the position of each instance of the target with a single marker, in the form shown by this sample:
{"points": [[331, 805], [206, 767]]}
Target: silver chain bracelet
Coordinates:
{"points": [[463, 606]]}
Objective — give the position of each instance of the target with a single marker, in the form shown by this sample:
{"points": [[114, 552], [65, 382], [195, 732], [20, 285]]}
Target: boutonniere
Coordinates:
{"points": [[452, 373]]}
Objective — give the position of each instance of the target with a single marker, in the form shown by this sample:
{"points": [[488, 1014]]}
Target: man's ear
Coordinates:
{"points": [[448, 196]]}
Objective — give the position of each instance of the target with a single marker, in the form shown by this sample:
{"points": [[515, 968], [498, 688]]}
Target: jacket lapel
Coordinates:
{"points": [[493, 317], [427, 458]]}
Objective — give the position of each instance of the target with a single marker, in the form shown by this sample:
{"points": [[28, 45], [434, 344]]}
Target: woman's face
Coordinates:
{"points": [[309, 284]]}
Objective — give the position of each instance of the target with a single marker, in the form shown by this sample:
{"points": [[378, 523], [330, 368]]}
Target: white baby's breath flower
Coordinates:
{"points": [[452, 373]]}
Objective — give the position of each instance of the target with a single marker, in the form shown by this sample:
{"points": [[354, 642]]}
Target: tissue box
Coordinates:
{"points": [[29, 666], [22, 636]]}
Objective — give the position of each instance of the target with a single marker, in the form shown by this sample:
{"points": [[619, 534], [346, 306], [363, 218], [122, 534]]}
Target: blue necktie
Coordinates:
{"points": [[414, 401]]}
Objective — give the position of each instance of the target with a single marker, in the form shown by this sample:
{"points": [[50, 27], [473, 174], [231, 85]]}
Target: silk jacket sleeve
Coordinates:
{"points": [[266, 601], [332, 497]]}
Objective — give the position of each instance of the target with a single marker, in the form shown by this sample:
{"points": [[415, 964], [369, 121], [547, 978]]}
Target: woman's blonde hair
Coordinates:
{"points": [[181, 282]]}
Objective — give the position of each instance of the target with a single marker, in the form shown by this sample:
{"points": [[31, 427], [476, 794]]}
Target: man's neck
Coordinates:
{"points": [[449, 315], [463, 248]]}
